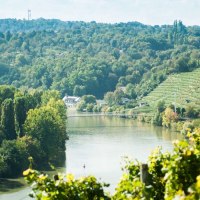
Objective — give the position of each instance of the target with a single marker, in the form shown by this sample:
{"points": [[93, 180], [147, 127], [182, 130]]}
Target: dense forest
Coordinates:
{"points": [[32, 124], [81, 58]]}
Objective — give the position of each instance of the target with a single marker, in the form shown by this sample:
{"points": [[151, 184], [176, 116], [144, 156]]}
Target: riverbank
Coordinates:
{"points": [[18, 189], [100, 142]]}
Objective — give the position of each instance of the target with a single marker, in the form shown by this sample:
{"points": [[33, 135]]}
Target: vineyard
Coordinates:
{"points": [[180, 89]]}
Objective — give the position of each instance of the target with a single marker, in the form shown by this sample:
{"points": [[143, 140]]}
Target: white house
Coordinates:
{"points": [[71, 100]]}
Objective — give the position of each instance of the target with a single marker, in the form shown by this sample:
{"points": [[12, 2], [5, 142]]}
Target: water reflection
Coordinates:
{"points": [[100, 143], [7, 184], [97, 146]]}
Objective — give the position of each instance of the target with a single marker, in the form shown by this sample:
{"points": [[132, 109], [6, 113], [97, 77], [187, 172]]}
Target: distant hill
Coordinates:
{"points": [[180, 89], [18, 25], [14, 25]]}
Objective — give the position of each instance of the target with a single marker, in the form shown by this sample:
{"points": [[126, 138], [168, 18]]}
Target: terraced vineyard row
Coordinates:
{"points": [[180, 89]]}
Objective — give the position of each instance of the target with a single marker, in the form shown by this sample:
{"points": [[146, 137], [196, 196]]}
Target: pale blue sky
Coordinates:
{"points": [[145, 11]]}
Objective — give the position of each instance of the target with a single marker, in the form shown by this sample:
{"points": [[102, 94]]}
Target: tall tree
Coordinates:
{"points": [[7, 119], [46, 125], [6, 92], [20, 113]]}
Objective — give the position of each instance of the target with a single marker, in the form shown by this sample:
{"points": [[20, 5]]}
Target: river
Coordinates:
{"points": [[97, 146]]}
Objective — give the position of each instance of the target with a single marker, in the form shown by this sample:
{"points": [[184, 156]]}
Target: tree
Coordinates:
{"points": [[169, 117], [109, 98], [3, 69], [46, 125], [191, 112], [118, 95], [89, 99], [161, 106], [87, 103], [14, 155], [2, 135], [79, 90], [20, 113], [90, 107], [130, 91], [7, 119], [6, 92], [81, 106], [48, 94], [8, 35], [59, 105], [20, 60], [15, 158]]}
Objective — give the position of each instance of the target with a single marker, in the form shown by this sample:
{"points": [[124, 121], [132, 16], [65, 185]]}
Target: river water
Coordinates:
{"points": [[97, 146]]}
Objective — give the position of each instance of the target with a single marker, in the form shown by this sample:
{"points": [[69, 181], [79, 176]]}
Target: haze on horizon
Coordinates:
{"points": [[108, 11]]}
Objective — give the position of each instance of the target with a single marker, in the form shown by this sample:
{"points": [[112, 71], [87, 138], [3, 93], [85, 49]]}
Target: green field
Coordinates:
{"points": [[180, 89]]}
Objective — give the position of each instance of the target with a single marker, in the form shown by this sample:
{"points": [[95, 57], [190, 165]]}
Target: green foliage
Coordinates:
{"points": [[191, 112], [81, 58], [6, 92], [130, 186], [87, 103], [196, 123], [41, 129], [180, 89], [47, 126], [49, 94], [114, 98], [187, 126], [169, 116], [3, 69], [20, 111], [64, 187], [81, 106], [60, 107], [79, 90], [14, 156], [2, 135], [90, 107], [158, 116], [161, 106], [174, 175], [130, 91], [97, 108], [183, 168], [7, 119], [89, 99], [158, 119], [109, 98], [171, 175]]}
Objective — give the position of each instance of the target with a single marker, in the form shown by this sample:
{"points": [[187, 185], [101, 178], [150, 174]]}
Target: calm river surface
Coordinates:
{"points": [[97, 145]]}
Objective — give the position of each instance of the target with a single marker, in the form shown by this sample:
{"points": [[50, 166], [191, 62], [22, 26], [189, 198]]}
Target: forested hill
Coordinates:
{"points": [[14, 25], [91, 58]]}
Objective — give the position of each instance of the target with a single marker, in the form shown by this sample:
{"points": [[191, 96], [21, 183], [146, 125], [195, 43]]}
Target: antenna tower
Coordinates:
{"points": [[29, 14]]}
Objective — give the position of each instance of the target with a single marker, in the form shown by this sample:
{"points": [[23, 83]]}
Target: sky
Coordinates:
{"points": [[152, 12]]}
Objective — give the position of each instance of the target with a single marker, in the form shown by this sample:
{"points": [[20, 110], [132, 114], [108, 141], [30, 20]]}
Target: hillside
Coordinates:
{"points": [[181, 89], [81, 58]]}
